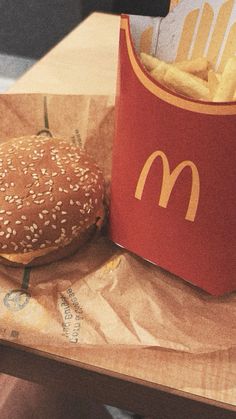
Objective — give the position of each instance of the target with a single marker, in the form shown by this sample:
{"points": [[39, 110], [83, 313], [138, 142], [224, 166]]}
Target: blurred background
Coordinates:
{"points": [[30, 28]]}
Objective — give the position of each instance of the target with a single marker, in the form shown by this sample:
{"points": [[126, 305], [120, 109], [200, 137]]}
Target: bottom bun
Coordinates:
{"points": [[57, 254]]}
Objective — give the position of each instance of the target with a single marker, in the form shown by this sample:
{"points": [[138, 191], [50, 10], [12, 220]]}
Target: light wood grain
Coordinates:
{"points": [[85, 62]]}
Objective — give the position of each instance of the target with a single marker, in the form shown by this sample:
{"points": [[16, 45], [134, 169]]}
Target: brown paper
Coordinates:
{"points": [[102, 295]]}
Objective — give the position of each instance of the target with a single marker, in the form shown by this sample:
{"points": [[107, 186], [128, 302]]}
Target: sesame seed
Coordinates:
{"points": [[41, 216], [63, 221], [34, 240], [42, 245], [6, 222], [4, 246], [8, 235], [18, 222], [45, 211], [23, 217], [54, 226], [2, 211], [2, 233], [35, 226], [28, 237], [14, 232], [32, 229], [8, 212], [9, 230], [47, 223], [54, 216]]}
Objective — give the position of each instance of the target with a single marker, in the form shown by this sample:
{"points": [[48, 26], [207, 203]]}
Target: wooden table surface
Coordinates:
{"points": [[85, 62]]}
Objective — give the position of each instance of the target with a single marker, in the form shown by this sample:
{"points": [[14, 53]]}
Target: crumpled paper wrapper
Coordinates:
{"points": [[102, 295]]}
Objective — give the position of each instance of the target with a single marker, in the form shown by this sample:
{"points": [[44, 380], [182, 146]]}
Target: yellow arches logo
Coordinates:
{"points": [[168, 181]]}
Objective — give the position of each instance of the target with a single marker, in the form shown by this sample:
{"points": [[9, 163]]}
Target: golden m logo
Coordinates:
{"points": [[168, 182]]}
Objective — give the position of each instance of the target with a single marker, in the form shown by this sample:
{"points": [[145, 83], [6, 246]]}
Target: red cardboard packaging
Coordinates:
{"points": [[173, 191]]}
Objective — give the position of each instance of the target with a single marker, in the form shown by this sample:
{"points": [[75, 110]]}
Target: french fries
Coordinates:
{"points": [[195, 78], [198, 67], [227, 86], [181, 82]]}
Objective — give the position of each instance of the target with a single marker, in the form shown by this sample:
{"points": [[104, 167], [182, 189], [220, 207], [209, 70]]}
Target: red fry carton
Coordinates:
{"points": [[173, 192]]}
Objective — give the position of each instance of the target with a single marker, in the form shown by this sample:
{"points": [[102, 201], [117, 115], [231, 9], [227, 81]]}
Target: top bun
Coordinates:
{"points": [[51, 193]]}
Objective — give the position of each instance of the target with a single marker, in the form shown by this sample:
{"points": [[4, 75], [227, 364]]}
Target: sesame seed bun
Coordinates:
{"points": [[51, 199]]}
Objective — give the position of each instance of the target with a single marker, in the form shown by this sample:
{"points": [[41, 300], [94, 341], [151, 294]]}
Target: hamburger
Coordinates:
{"points": [[51, 200]]}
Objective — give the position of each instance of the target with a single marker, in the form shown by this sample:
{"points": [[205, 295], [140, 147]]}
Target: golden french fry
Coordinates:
{"points": [[227, 85], [194, 78], [213, 82], [181, 82], [160, 67], [149, 61], [198, 67]]}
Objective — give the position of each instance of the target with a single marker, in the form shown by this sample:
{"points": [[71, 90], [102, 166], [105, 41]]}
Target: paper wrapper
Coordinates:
{"points": [[102, 295]]}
